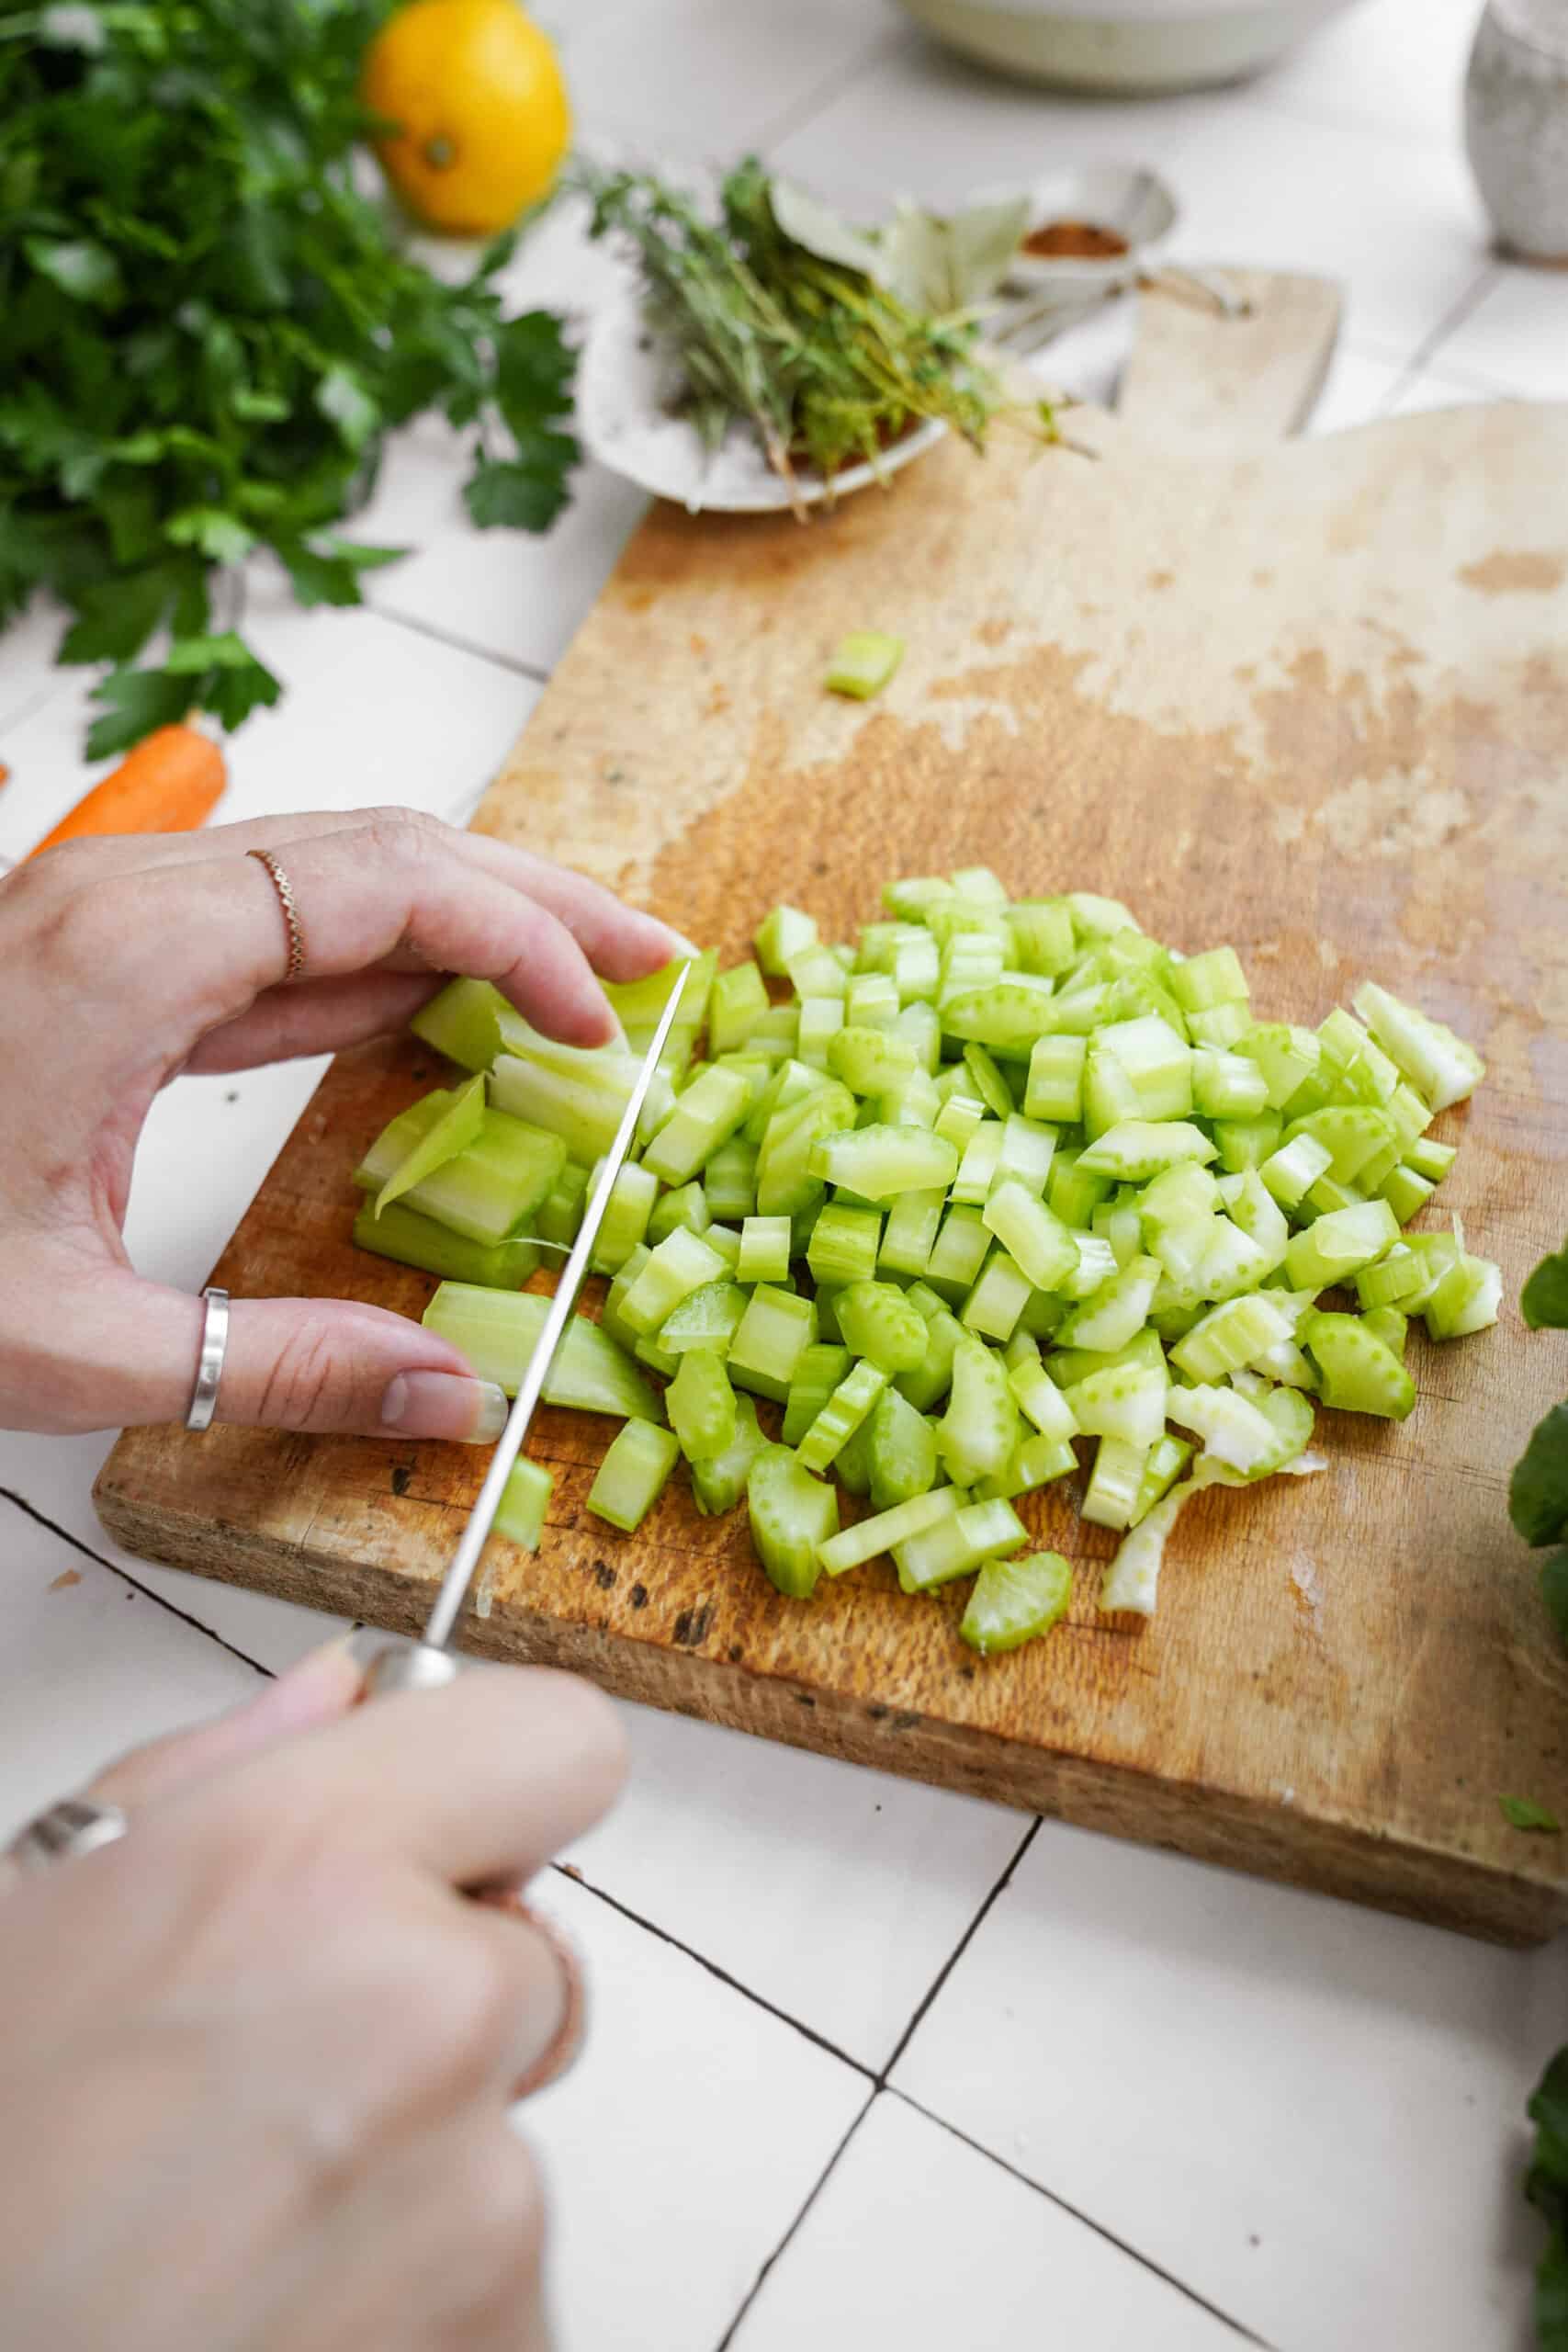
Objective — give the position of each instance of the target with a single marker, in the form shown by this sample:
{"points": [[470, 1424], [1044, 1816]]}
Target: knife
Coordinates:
{"points": [[427, 1664]]}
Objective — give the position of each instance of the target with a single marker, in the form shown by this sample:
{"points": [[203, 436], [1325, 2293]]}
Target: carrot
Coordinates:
{"points": [[167, 784]]}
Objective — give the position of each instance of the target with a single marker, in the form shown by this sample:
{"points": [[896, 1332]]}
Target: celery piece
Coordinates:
{"points": [[680, 1264], [870, 1061], [827, 1312], [1036, 1460], [1119, 1222], [821, 1018], [1168, 1458], [1465, 1300], [879, 1323], [524, 1499], [1116, 1482], [786, 1178], [783, 932], [917, 969], [489, 1189], [1361, 1071], [1109, 1097], [820, 1369], [633, 1475], [903, 1453], [1095, 1266], [978, 1164], [1247, 1143], [960, 1115], [997, 1298], [701, 1405], [685, 1208], [765, 1249], [1428, 1157], [729, 1180], [657, 1106], [726, 1241], [872, 1002], [1097, 918], [1387, 1323], [979, 884], [990, 1084], [791, 1515], [1360, 1373], [1230, 1336], [400, 1233], [843, 1414], [1232, 1431], [583, 1106], [919, 1026], [1130, 1581], [639, 1003], [1203, 981], [1114, 1314], [777, 1036], [1034, 1239], [1126, 1401], [1339, 1244], [1286, 1056], [718, 1484], [1227, 1086], [1028, 1148], [1007, 1014], [1406, 1192], [453, 1131], [909, 1234], [952, 1547], [706, 1116], [1155, 1062], [1137, 1149], [772, 1335], [736, 1001], [1042, 936], [1037, 1393], [627, 1213], [862, 663], [912, 897], [816, 971], [1074, 1192], [1411, 1119], [887, 1528], [1292, 1170], [980, 1428], [879, 1162], [1016, 1601], [1439, 1064], [1353, 1133], [958, 1253], [1221, 1026], [873, 952], [708, 1316], [928, 1383], [610, 1313], [844, 1245], [460, 1021], [497, 1332]]}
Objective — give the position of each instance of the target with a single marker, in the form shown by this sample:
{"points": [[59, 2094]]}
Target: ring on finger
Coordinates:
{"points": [[73, 1825], [560, 2051], [287, 902]]}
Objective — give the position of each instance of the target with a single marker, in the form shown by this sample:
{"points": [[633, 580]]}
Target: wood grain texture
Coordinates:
{"points": [[1313, 700]]}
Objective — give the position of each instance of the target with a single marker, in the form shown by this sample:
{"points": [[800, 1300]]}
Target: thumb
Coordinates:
{"points": [[325, 1365], [323, 1685]]}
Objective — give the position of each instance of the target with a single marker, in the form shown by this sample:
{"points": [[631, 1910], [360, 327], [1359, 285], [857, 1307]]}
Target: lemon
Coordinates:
{"points": [[482, 118]]}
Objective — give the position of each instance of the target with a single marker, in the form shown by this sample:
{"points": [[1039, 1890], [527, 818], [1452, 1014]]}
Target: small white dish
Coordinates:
{"points": [[1135, 204], [627, 420]]}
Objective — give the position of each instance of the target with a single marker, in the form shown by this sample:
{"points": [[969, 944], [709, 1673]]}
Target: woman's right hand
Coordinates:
{"points": [[255, 2059]]}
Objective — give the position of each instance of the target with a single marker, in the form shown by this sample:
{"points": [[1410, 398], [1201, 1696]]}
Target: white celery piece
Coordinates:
{"points": [[1232, 1431], [881, 1533], [1136, 1149], [1437, 1063]]}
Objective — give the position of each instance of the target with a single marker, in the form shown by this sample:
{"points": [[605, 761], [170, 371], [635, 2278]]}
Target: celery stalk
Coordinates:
{"points": [[888, 1528], [843, 1414], [497, 1332], [633, 1475], [701, 1405], [402, 1233], [457, 1127], [524, 1499], [793, 1515], [1016, 1601], [719, 1483]]}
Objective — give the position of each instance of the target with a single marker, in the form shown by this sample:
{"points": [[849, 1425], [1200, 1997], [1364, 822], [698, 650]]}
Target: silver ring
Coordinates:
{"points": [[210, 1365], [75, 1825]]}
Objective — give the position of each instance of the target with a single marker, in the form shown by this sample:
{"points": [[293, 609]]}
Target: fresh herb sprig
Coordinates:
{"points": [[823, 359], [208, 329]]}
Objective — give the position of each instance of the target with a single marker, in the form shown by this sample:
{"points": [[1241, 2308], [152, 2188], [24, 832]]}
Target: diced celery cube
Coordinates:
{"points": [[862, 663]]}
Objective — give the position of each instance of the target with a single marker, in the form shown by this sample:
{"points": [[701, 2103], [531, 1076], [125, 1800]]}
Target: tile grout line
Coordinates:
{"points": [[8, 1494], [760, 2001], [817, 2186], [959, 1949], [513, 663], [1026, 2181], [1452, 318], [791, 118]]}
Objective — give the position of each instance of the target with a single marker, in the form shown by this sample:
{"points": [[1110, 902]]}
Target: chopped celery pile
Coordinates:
{"points": [[1001, 1190]]}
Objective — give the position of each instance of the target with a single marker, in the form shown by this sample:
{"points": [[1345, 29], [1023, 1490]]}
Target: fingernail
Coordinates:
{"points": [[443, 1404], [684, 946]]}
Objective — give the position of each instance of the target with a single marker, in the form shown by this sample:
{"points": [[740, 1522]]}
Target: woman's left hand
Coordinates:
{"points": [[126, 962]]}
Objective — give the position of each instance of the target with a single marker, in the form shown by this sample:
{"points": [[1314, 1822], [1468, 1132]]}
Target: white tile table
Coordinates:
{"points": [[874, 2065]]}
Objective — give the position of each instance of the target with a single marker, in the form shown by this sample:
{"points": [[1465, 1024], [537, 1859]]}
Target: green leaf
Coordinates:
{"points": [[115, 617], [343, 399], [232, 693], [137, 700], [258, 408], [1551, 2295], [1537, 1491], [1554, 1592], [85, 270], [191, 657], [1544, 1299], [525, 495], [1548, 2109], [533, 372], [328, 572], [222, 537], [1524, 1813]]}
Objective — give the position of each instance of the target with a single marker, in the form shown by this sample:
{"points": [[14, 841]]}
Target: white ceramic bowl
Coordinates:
{"points": [[1123, 45], [1134, 202]]}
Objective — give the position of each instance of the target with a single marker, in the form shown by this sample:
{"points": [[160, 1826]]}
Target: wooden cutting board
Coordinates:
{"points": [[1309, 697]]}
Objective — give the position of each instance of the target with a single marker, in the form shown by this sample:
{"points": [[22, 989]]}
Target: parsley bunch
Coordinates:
{"points": [[207, 328]]}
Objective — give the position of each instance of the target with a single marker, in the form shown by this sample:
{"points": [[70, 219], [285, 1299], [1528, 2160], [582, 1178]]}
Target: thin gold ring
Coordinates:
{"points": [[284, 889]]}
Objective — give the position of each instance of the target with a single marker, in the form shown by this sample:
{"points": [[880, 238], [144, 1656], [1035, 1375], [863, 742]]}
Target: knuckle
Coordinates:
{"points": [[79, 934], [403, 834], [308, 1386]]}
